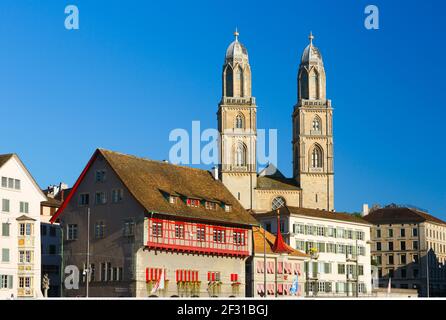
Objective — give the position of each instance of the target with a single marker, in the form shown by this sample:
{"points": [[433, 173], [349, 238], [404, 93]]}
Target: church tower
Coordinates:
{"points": [[237, 126], [313, 133]]}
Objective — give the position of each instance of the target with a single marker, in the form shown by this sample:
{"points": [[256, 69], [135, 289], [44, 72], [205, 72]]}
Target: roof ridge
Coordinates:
{"points": [[152, 160]]}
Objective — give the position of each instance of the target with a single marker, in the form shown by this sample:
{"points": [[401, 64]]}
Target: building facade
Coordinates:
{"points": [[20, 269], [274, 268], [312, 183], [409, 247], [338, 245], [149, 221]]}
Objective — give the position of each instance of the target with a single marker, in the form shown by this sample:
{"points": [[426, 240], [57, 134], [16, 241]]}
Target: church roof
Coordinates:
{"points": [[311, 54], [270, 178], [236, 51], [149, 182]]}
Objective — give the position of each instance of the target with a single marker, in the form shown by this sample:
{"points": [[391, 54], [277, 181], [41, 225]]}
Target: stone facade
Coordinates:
{"points": [[312, 185]]}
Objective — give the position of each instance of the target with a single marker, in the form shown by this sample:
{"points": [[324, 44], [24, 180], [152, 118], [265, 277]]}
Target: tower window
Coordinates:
{"points": [[316, 157], [316, 124], [240, 156], [239, 121], [278, 203]]}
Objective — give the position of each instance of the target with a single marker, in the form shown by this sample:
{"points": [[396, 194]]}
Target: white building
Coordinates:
{"points": [[20, 196], [336, 266]]}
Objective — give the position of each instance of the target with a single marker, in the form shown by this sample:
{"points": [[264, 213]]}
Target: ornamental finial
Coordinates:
{"points": [[311, 37], [236, 34]]}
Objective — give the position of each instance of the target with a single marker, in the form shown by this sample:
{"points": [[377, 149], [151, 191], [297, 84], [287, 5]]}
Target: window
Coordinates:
{"points": [[415, 258], [219, 235], [4, 182], [117, 195], [179, 231], [341, 268], [378, 260], [211, 205], [415, 232], [415, 245], [84, 199], [5, 281], [103, 271], [228, 208], [378, 246], [100, 175], [403, 232], [201, 234], [403, 245], [240, 152], [10, 183], [316, 124], [193, 203], [17, 184], [390, 233], [320, 231], [316, 157], [24, 207], [378, 233], [278, 203], [5, 229], [25, 229], [24, 282], [390, 259], [5, 255], [403, 259], [390, 246], [100, 198], [173, 199], [72, 232], [99, 230], [5, 205], [238, 238], [129, 228], [239, 121], [157, 229]]}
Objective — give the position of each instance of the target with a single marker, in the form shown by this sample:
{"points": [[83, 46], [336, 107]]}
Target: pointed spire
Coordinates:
{"points": [[280, 245], [311, 37], [236, 34]]}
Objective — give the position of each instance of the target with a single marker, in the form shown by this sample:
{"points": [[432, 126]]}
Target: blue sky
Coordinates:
{"points": [[138, 69]]}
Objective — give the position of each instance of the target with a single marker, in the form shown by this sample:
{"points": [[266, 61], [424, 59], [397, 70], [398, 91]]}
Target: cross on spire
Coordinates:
{"points": [[236, 34]]}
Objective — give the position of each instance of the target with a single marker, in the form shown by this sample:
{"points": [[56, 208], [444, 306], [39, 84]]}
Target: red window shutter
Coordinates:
{"points": [[147, 274], [279, 267], [176, 275], [236, 277], [232, 277], [279, 288], [213, 276]]}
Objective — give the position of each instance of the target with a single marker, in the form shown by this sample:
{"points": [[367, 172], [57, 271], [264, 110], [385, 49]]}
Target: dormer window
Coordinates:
{"points": [[211, 205], [193, 203], [228, 208], [173, 199]]}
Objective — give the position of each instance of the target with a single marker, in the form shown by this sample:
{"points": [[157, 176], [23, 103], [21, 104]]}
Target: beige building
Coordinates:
{"points": [[409, 247], [148, 218], [312, 183]]}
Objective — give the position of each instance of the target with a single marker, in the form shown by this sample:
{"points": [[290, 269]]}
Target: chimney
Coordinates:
{"points": [[365, 209], [215, 172]]}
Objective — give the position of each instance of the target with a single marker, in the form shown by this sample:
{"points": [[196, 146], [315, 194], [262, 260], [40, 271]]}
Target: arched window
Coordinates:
{"points": [[229, 82], [314, 85], [316, 157], [238, 82], [316, 124], [278, 203], [240, 155], [239, 120]]}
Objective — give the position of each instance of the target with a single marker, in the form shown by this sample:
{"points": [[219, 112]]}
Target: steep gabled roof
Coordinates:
{"points": [[270, 178], [397, 215], [149, 182], [4, 158]]}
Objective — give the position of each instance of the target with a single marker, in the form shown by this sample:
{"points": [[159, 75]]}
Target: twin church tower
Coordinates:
{"points": [[312, 143]]}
